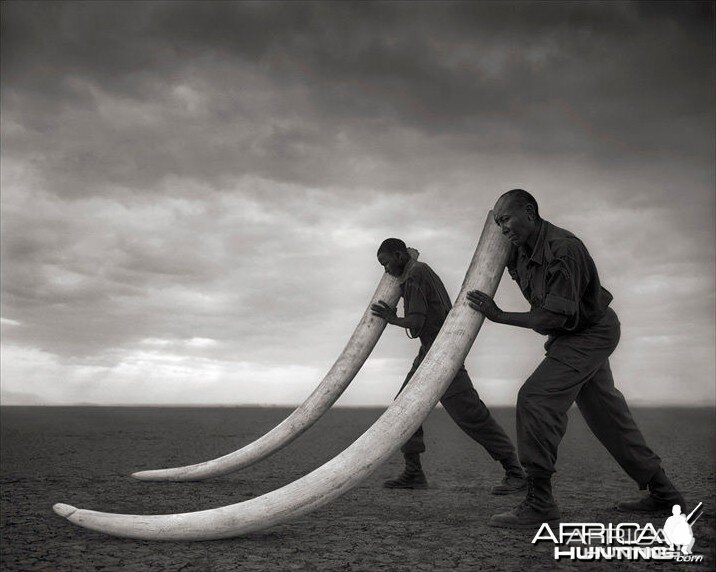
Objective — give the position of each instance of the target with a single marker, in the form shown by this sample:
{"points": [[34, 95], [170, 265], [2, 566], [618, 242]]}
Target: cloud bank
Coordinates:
{"points": [[192, 193]]}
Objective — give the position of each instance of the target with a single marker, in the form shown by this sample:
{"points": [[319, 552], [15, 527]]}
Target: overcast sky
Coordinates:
{"points": [[193, 193]]}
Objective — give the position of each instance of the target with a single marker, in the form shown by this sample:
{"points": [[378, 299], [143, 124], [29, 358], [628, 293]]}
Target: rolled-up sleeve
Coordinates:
{"points": [[562, 291], [414, 298], [415, 303]]}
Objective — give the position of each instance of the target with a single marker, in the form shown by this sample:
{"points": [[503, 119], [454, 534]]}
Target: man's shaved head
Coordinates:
{"points": [[391, 245], [516, 214], [518, 198], [393, 256]]}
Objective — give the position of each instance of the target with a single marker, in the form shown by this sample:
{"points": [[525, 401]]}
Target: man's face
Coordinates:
{"points": [[392, 262], [516, 222]]}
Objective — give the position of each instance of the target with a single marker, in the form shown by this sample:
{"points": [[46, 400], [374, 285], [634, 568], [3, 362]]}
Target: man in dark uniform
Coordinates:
{"points": [[427, 304], [559, 279]]}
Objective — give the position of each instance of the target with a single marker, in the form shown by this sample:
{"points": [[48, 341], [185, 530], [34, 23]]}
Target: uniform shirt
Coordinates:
{"points": [[560, 276], [424, 294]]}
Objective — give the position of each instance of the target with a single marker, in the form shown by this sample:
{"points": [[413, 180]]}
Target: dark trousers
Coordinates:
{"points": [[464, 405], [577, 369]]}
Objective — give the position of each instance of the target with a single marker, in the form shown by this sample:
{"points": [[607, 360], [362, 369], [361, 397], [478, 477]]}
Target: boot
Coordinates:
{"points": [[661, 498], [514, 480], [538, 507], [412, 477]]}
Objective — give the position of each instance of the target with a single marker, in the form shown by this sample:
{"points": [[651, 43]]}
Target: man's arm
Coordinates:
{"points": [[566, 279], [413, 322], [535, 319]]}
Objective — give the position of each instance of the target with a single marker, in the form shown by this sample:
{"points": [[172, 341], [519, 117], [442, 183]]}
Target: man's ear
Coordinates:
{"points": [[530, 210]]}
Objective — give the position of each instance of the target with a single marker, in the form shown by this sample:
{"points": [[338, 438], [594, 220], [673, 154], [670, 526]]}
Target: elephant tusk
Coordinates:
{"points": [[346, 470], [335, 382]]}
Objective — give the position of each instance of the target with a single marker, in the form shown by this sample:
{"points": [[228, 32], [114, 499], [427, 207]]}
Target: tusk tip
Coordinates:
{"points": [[146, 476], [64, 510]]}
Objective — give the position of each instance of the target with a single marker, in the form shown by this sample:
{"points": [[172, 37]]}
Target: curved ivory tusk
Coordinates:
{"points": [[347, 469], [335, 382]]}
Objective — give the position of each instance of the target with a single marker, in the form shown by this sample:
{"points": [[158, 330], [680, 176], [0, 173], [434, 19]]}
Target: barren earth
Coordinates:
{"points": [[83, 456]]}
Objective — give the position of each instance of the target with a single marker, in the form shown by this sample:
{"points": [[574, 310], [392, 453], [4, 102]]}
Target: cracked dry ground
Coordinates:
{"points": [[83, 456]]}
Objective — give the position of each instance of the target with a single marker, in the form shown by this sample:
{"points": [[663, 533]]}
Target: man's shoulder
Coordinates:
{"points": [[421, 275], [418, 270], [561, 242]]}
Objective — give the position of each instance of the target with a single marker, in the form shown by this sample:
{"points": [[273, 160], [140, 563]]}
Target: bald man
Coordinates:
{"points": [[427, 304], [558, 277]]}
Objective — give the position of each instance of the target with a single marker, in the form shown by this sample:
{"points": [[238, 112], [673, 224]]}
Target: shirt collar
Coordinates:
{"points": [[406, 271], [538, 250]]}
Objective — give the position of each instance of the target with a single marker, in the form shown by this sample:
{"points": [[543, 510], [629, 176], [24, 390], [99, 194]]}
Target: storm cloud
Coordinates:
{"points": [[193, 192]]}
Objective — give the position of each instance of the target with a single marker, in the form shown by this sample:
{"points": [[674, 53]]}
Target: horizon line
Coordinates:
{"points": [[650, 405]]}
